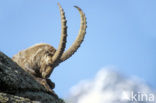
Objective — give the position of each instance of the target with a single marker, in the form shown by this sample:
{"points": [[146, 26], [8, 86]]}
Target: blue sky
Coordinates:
{"points": [[120, 33]]}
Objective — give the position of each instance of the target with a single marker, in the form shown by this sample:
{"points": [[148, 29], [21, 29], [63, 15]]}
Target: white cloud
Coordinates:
{"points": [[111, 87]]}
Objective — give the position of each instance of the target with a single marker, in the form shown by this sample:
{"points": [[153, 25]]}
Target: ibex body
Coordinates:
{"points": [[40, 60], [35, 59]]}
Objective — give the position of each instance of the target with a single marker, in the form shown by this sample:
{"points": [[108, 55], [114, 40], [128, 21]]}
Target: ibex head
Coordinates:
{"points": [[40, 60]]}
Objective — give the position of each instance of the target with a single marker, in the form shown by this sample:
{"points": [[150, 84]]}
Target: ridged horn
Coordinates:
{"points": [[62, 43], [79, 38]]}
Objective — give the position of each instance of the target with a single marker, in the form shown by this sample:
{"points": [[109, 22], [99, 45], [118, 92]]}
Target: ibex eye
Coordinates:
{"points": [[50, 54], [47, 52]]}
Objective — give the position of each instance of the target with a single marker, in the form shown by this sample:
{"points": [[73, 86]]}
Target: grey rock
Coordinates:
{"points": [[17, 86]]}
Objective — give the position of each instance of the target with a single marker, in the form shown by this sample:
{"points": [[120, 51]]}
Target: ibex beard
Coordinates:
{"points": [[41, 59]]}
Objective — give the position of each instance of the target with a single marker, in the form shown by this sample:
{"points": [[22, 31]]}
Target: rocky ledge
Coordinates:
{"points": [[17, 86]]}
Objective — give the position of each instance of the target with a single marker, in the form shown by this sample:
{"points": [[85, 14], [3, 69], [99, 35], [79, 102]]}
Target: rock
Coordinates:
{"points": [[18, 86]]}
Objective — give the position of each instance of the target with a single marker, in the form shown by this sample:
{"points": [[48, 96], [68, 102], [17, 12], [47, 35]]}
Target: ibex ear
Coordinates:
{"points": [[79, 38]]}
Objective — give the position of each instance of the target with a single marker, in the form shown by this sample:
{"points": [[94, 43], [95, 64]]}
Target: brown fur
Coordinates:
{"points": [[40, 60], [35, 59]]}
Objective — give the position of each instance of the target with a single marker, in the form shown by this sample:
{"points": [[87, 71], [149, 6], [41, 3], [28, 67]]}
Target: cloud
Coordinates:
{"points": [[111, 87]]}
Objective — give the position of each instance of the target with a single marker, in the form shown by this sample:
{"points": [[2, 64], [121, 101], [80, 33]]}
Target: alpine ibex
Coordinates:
{"points": [[41, 59]]}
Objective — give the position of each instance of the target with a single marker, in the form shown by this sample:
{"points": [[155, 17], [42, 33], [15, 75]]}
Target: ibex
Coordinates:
{"points": [[41, 59]]}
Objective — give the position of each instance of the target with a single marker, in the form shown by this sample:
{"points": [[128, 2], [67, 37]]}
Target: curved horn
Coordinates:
{"points": [[62, 43], [79, 38]]}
